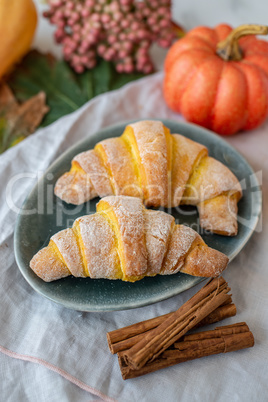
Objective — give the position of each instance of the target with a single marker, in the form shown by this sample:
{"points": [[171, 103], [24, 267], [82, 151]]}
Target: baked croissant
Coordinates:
{"points": [[163, 169], [124, 240]]}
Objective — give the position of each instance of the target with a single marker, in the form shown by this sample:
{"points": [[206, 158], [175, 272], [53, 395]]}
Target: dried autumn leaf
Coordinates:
{"points": [[7, 99], [17, 121]]}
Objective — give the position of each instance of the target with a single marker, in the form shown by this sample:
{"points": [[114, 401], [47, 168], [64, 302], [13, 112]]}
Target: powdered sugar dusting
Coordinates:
{"points": [[92, 164], [151, 141], [67, 245], [158, 226], [130, 222], [179, 245], [99, 247], [205, 261], [211, 179], [219, 214], [75, 187], [48, 266], [147, 242], [119, 159], [193, 177], [185, 154]]}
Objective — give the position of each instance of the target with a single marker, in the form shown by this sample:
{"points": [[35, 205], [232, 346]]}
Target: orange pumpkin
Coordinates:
{"points": [[218, 79]]}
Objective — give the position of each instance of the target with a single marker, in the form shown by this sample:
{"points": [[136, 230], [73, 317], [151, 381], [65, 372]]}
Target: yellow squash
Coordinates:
{"points": [[18, 20]]}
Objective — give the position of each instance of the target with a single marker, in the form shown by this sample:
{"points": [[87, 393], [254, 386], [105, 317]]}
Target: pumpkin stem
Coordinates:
{"points": [[229, 49]]}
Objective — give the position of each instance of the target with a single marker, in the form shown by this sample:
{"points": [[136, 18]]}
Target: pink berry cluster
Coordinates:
{"points": [[120, 31]]}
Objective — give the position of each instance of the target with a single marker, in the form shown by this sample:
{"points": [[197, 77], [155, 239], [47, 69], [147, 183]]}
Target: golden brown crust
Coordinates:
{"points": [[92, 164], [219, 214], [125, 241], [210, 179], [163, 169], [186, 155], [127, 217], [153, 145], [180, 243], [67, 246], [75, 187], [48, 265], [204, 261], [99, 247], [158, 231], [121, 169]]}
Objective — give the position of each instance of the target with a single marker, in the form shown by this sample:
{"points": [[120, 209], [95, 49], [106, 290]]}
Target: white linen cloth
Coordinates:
{"points": [[73, 344]]}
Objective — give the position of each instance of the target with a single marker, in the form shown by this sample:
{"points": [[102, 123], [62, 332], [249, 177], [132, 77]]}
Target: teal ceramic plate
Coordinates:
{"points": [[49, 215]]}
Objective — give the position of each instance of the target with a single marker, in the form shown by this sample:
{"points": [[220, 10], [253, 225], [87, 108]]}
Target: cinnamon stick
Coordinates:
{"points": [[221, 313], [155, 342], [208, 343], [124, 338], [217, 332]]}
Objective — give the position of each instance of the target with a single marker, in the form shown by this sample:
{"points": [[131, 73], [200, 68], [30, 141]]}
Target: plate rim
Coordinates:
{"points": [[158, 298]]}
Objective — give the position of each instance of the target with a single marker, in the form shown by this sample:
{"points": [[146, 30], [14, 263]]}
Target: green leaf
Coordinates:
{"points": [[66, 91]]}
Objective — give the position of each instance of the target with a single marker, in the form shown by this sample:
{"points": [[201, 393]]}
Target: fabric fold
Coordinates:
{"points": [[75, 342]]}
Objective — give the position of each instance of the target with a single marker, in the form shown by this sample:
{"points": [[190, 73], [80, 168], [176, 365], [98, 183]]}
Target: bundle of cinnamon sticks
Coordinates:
{"points": [[162, 341]]}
